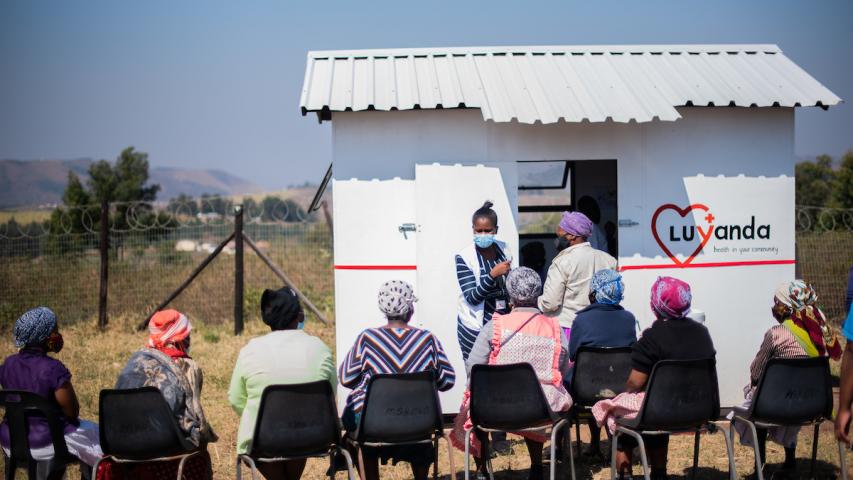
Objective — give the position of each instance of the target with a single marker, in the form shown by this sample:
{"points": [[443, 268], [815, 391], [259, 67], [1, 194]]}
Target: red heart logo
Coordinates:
{"points": [[705, 236]]}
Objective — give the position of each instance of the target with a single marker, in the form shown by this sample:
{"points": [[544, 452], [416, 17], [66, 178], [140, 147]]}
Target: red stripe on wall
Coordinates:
{"points": [[747, 263], [376, 267]]}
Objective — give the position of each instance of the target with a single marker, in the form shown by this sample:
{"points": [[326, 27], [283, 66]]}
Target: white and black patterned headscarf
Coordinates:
{"points": [[524, 286], [396, 298]]}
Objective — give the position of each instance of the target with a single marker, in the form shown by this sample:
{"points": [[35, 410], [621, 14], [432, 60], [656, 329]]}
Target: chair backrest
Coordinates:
{"points": [[793, 390], [296, 420], [137, 424], [400, 408], [599, 373], [19, 407], [507, 397], [680, 394]]}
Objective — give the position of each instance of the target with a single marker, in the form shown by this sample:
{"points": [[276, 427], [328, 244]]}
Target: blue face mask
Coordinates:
{"points": [[484, 240], [300, 325]]}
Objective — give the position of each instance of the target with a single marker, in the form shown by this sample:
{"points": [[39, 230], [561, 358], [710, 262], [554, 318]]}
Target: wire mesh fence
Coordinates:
{"points": [[152, 249], [825, 255], [55, 261]]}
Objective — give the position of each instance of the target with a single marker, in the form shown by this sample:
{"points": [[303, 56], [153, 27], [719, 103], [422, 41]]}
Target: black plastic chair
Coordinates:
{"points": [[295, 422], [509, 398], [137, 426], [599, 373], [19, 406], [681, 396], [790, 392], [401, 409]]}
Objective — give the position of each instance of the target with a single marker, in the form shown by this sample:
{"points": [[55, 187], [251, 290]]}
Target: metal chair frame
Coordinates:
{"points": [[182, 457], [432, 440], [251, 462], [556, 422], [753, 423], [625, 429], [584, 411], [51, 414]]}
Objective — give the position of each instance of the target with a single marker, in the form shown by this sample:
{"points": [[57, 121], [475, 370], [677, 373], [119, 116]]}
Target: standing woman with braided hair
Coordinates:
{"points": [[481, 268]]}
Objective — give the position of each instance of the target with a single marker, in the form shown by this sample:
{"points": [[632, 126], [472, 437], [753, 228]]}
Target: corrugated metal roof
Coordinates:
{"points": [[546, 84]]}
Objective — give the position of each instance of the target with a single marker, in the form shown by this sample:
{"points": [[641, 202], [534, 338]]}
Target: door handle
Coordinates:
{"points": [[407, 227]]}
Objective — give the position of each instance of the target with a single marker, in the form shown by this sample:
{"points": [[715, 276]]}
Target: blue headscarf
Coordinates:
{"points": [[34, 326], [607, 285]]}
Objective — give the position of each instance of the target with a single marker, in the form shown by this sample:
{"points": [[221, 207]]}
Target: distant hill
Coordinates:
{"points": [[40, 182]]}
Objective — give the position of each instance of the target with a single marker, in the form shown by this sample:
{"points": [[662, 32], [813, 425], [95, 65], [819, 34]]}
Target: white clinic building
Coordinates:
{"points": [[688, 150]]}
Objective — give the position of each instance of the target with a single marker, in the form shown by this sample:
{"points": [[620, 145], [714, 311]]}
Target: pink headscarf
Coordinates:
{"points": [[576, 223], [671, 298]]}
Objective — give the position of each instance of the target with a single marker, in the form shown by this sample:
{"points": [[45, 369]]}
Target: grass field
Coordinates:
{"points": [[95, 359]]}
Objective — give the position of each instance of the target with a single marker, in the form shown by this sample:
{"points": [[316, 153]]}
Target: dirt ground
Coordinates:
{"points": [[95, 359]]}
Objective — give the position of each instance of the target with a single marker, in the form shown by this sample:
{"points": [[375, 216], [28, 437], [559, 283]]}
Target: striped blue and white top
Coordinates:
{"points": [[486, 291], [393, 350]]}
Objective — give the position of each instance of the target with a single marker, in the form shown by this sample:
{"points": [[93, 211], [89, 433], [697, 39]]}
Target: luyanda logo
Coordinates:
{"points": [[676, 233]]}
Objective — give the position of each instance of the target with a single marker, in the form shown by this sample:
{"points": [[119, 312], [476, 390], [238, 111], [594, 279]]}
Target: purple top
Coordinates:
{"points": [[32, 370]]}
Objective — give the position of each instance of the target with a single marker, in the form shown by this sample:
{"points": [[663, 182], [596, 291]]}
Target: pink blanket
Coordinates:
{"points": [[624, 405]]}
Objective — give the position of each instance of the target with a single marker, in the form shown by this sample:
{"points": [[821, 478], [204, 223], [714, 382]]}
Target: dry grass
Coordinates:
{"points": [[95, 359]]}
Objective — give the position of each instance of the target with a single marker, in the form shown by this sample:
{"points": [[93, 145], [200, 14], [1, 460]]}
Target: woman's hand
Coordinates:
{"points": [[500, 269]]}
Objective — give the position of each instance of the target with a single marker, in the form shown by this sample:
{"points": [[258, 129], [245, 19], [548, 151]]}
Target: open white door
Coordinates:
{"points": [[445, 198]]}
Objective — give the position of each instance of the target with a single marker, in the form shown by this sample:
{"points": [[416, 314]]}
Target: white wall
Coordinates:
{"points": [[658, 163]]}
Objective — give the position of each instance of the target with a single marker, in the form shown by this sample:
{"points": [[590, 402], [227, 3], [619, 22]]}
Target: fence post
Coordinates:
{"points": [[104, 248], [238, 269]]}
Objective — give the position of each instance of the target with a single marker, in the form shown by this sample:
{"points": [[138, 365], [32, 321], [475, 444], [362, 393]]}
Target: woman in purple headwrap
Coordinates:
{"points": [[566, 289], [671, 337]]}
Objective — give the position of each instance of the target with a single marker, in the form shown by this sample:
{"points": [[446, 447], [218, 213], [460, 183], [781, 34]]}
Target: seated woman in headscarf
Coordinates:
{"points": [[165, 363], [801, 332], [286, 355], [672, 336], [36, 334], [604, 323], [377, 350], [524, 334]]}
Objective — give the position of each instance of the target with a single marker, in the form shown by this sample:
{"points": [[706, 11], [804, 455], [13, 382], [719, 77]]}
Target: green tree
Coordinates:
{"points": [[815, 181], [183, 204], [842, 194], [122, 183]]}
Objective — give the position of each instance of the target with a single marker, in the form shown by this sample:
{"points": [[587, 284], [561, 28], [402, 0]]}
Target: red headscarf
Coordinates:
{"points": [[167, 331]]}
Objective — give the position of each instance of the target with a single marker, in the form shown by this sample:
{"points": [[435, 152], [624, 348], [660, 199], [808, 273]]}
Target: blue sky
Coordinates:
{"points": [[216, 84]]}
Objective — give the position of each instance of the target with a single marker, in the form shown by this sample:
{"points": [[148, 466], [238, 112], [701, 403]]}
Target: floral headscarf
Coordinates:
{"points": [[802, 300], [671, 298]]}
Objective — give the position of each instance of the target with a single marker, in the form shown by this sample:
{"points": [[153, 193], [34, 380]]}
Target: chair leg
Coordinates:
{"points": [[696, 440], [814, 449], [613, 438], [449, 456], [348, 459], [468, 454], [252, 466], [181, 466], [361, 463], [728, 436], [238, 470], [435, 462], [842, 459], [555, 431], [577, 434], [98, 464], [759, 466], [639, 438]]}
